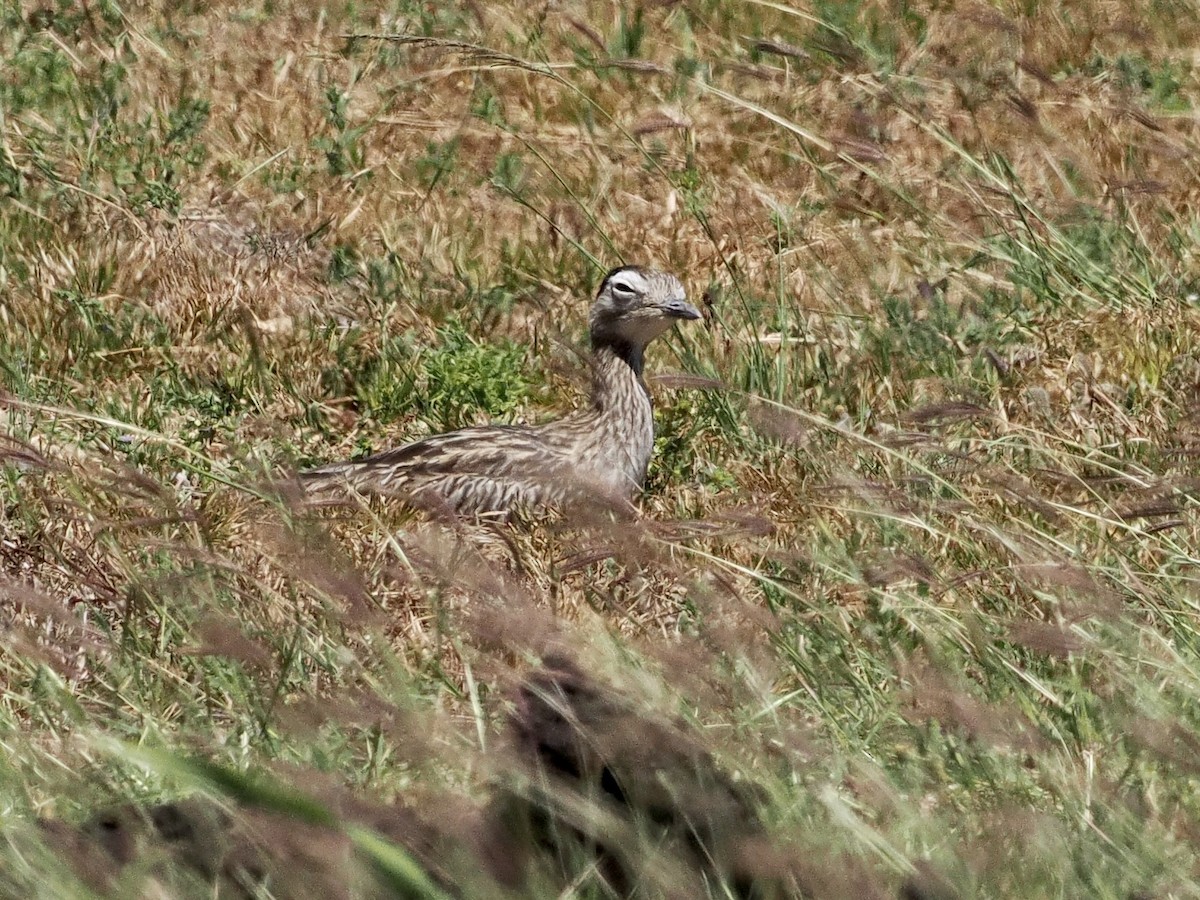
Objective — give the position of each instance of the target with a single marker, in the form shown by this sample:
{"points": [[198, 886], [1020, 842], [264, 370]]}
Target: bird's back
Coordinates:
{"points": [[479, 470]]}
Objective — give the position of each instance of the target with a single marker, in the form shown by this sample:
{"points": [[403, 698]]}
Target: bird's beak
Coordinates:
{"points": [[680, 309]]}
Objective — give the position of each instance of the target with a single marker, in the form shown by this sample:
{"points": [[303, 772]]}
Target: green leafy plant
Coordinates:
{"points": [[466, 380]]}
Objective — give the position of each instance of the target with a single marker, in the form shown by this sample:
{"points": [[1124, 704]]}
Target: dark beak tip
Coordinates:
{"points": [[681, 309]]}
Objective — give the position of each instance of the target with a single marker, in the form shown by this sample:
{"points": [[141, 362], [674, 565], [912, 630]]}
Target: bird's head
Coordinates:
{"points": [[636, 305]]}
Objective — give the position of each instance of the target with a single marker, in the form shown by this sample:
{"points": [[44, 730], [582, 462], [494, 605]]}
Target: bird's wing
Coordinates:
{"points": [[482, 449], [480, 469]]}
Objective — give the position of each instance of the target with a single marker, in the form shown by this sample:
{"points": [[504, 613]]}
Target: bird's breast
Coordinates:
{"points": [[622, 441]]}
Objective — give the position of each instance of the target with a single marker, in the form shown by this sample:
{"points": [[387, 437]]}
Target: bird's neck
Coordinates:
{"points": [[617, 376], [620, 424]]}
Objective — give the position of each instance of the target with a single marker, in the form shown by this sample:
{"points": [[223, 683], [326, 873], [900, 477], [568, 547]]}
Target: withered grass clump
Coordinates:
{"points": [[909, 605]]}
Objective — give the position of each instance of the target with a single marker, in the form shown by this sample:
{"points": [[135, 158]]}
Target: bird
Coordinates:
{"points": [[598, 454]]}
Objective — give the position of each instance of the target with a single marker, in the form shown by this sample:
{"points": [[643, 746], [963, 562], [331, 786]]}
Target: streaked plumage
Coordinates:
{"points": [[599, 453]]}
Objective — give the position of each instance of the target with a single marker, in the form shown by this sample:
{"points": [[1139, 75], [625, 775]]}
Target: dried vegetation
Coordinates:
{"points": [[910, 610]]}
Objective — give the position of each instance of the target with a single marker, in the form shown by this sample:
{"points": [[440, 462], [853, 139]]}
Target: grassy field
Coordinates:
{"points": [[916, 578]]}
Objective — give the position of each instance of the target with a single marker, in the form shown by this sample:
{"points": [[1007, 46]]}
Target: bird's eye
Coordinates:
{"points": [[623, 292]]}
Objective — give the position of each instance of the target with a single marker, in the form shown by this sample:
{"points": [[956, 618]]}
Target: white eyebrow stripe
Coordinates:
{"points": [[632, 280]]}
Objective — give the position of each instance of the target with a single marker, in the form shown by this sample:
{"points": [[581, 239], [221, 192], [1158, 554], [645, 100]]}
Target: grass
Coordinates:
{"points": [[919, 542]]}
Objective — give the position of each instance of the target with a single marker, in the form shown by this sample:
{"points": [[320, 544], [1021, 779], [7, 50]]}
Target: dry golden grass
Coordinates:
{"points": [[916, 553]]}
